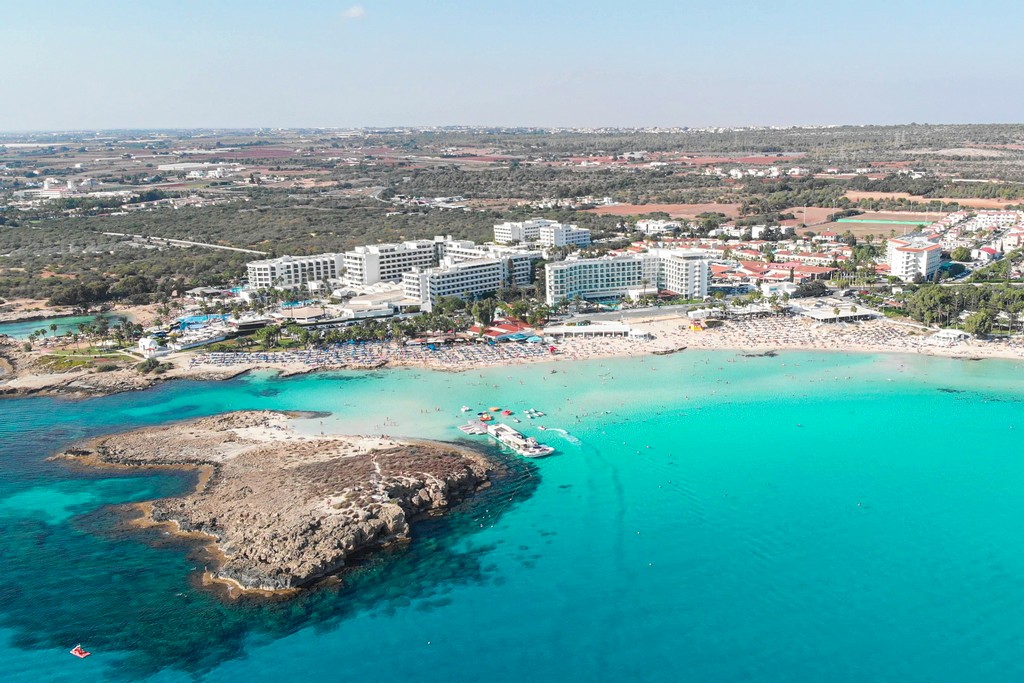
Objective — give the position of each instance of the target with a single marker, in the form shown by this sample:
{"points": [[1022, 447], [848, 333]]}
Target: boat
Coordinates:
{"points": [[525, 446], [515, 419], [466, 409], [506, 412], [486, 418], [541, 427], [494, 409], [80, 652]]}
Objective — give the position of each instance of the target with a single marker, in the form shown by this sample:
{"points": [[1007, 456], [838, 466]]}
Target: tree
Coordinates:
{"points": [[961, 254], [812, 288], [979, 324], [483, 311], [268, 336]]}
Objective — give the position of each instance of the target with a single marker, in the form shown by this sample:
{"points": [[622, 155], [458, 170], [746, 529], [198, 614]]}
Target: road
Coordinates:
{"points": [[185, 243]]}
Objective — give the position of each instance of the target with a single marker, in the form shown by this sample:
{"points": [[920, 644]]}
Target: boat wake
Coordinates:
{"points": [[565, 435]]}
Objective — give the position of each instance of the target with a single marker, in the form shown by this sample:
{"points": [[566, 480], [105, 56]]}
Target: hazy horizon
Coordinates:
{"points": [[111, 65]]}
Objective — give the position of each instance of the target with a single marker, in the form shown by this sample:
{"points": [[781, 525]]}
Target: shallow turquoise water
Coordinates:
{"points": [[21, 330], [710, 517]]}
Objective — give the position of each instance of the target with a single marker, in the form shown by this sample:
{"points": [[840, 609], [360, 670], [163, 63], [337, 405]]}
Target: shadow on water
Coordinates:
{"points": [[130, 595]]}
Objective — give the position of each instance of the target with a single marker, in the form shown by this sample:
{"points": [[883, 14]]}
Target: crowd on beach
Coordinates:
{"points": [[669, 334], [878, 335], [371, 354]]}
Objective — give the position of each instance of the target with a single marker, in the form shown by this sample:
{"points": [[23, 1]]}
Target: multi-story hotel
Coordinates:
{"points": [[525, 231], [294, 271], [519, 259], [913, 255], [464, 280], [386, 262], [558, 235], [543, 232], [685, 273]]}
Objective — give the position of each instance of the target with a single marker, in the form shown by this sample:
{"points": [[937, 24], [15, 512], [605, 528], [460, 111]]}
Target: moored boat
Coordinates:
{"points": [[525, 446]]}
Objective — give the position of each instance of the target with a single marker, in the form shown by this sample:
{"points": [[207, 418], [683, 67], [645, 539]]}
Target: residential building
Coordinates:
{"points": [[287, 272], [913, 255], [681, 272]]}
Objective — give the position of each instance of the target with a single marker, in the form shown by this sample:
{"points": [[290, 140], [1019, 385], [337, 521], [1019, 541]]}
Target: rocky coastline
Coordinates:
{"points": [[282, 510]]}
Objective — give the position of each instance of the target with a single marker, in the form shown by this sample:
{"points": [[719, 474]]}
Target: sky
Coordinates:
{"points": [[253, 63]]}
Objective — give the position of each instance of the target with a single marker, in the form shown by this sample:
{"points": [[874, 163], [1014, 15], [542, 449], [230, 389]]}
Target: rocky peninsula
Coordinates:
{"points": [[283, 509]]}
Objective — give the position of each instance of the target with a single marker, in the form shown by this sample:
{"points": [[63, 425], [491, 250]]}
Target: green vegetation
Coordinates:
{"points": [[987, 308], [57, 251]]}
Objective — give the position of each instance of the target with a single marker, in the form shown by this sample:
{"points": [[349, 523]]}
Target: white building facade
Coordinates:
{"points": [[294, 271], [654, 227], [541, 231], [685, 273], [519, 260], [374, 263], [525, 231], [465, 280], [911, 256], [558, 235]]}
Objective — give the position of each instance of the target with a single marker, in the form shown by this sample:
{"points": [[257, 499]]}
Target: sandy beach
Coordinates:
{"points": [[667, 334]]}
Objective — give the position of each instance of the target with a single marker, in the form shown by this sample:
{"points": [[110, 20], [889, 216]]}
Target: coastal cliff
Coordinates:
{"points": [[284, 509]]}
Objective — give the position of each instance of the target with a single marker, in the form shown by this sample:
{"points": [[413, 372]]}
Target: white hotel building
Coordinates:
{"points": [[543, 232], [294, 271], [913, 255], [376, 262], [463, 280], [466, 270], [685, 273], [525, 231], [519, 259]]}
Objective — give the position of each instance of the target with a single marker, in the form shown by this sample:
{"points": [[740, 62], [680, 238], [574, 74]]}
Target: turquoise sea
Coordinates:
{"points": [[22, 329], [709, 517]]}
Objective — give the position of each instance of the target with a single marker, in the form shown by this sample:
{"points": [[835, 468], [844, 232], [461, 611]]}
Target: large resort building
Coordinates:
{"points": [[684, 273], [464, 280], [288, 272], [466, 270], [542, 232], [912, 256], [386, 262]]}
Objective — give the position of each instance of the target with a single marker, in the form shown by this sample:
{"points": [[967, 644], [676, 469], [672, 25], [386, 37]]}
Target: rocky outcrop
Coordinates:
{"points": [[285, 509]]}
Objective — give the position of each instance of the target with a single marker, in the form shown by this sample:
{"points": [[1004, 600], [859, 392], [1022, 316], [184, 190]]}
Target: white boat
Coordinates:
{"points": [[525, 446], [466, 409]]}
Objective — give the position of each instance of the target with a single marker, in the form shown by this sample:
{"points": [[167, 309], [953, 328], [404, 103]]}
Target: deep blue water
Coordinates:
{"points": [[709, 517]]}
